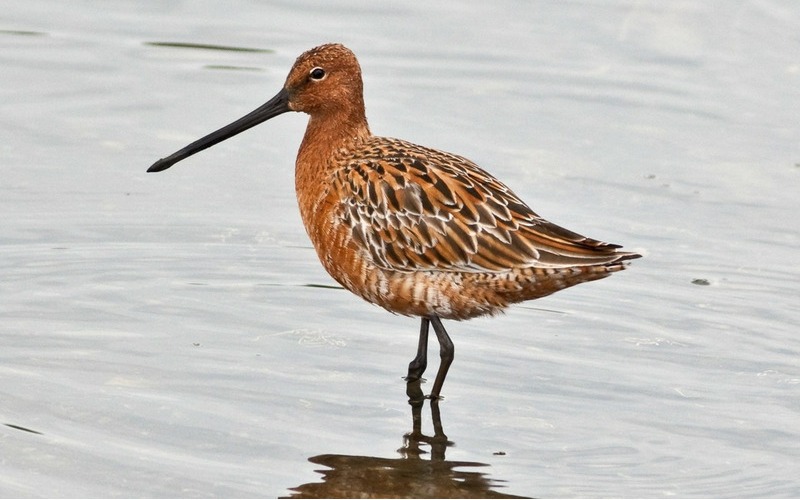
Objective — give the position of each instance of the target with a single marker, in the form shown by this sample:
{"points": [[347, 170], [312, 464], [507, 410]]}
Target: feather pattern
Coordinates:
{"points": [[413, 208]]}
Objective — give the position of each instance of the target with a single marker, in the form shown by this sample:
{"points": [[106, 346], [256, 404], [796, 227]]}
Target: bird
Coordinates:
{"points": [[418, 231]]}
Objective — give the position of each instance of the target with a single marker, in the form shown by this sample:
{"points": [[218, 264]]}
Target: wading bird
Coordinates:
{"points": [[417, 231]]}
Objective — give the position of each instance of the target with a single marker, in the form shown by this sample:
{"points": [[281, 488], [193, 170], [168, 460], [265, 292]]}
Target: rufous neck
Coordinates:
{"points": [[330, 132]]}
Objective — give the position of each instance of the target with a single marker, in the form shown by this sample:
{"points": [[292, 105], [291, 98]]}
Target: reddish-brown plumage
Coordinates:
{"points": [[415, 230]]}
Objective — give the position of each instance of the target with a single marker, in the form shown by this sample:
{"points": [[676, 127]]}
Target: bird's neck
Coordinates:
{"points": [[329, 133], [328, 139], [327, 144]]}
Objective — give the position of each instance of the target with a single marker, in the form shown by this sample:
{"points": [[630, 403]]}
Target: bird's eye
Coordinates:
{"points": [[317, 74]]}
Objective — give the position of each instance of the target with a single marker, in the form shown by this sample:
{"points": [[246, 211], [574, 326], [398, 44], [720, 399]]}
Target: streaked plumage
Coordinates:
{"points": [[415, 230]]}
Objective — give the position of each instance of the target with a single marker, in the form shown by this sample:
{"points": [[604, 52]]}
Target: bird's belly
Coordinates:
{"points": [[448, 295], [423, 293]]}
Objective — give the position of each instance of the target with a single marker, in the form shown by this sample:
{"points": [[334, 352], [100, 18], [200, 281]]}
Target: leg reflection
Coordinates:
{"points": [[411, 476], [412, 440]]}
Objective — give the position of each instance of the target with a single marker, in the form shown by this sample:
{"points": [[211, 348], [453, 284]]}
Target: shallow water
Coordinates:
{"points": [[174, 334]]}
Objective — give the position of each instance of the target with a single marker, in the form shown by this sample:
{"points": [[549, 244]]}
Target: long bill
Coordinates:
{"points": [[274, 107]]}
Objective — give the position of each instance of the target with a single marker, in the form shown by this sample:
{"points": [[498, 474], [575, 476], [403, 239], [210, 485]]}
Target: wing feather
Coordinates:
{"points": [[413, 208]]}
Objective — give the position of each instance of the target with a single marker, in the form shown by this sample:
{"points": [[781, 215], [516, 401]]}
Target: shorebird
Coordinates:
{"points": [[415, 230]]}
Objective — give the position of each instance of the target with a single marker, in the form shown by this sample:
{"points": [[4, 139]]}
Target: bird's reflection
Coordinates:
{"points": [[350, 476]]}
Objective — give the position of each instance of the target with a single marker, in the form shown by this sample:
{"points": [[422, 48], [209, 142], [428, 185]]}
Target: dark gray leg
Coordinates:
{"points": [[417, 366], [446, 353]]}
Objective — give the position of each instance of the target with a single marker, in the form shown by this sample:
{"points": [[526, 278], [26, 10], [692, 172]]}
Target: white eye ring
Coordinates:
{"points": [[317, 74]]}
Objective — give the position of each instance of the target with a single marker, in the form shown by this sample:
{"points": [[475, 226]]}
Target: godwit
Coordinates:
{"points": [[417, 231]]}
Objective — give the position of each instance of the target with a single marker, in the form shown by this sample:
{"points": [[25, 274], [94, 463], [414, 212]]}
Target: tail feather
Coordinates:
{"points": [[537, 282]]}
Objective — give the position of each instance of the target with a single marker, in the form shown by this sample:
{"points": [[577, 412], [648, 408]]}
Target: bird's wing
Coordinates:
{"points": [[413, 208]]}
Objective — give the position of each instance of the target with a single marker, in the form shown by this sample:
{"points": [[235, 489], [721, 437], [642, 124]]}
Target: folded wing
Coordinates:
{"points": [[414, 209]]}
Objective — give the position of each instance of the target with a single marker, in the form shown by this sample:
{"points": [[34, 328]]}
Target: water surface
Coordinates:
{"points": [[174, 334]]}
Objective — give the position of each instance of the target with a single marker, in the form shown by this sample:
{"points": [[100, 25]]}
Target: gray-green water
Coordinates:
{"points": [[159, 334]]}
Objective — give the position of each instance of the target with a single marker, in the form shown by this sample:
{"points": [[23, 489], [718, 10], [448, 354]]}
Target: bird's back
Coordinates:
{"points": [[421, 231]]}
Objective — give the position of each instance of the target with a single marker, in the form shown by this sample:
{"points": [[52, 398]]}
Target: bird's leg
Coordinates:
{"points": [[417, 366], [446, 353]]}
